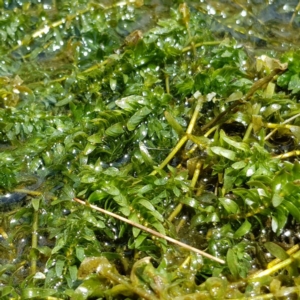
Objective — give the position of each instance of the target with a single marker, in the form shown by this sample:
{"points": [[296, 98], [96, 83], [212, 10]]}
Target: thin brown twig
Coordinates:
{"points": [[151, 231]]}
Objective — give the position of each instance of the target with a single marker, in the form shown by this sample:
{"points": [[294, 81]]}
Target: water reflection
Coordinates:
{"points": [[260, 24]]}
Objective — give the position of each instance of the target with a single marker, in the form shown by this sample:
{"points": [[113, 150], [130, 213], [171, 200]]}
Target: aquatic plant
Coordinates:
{"points": [[160, 124]]}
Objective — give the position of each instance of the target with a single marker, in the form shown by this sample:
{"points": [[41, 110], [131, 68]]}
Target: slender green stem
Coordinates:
{"points": [[288, 154], [184, 139], [250, 127], [277, 267], [221, 115], [34, 241], [172, 154], [196, 174], [96, 66], [277, 126], [29, 192], [285, 122], [167, 81], [290, 251], [175, 212], [211, 130], [296, 10], [195, 115], [179, 207], [212, 43], [261, 82]]}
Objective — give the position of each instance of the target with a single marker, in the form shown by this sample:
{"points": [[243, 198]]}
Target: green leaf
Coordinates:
{"points": [[60, 243], [38, 293], [152, 209], [7, 291], [91, 286], [95, 139], [59, 267], [232, 263], [65, 101], [192, 202], [238, 145], [122, 201], [294, 211], [294, 84], [279, 219], [223, 152], [146, 204], [140, 239], [137, 118], [112, 83], [257, 122], [73, 272], [277, 199], [97, 196], [230, 206], [276, 250], [88, 178], [134, 218], [145, 189], [89, 148], [295, 131], [159, 227], [36, 203], [145, 154], [243, 229], [239, 165], [111, 190], [130, 103], [80, 253], [161, 181], [115, 130], [175, 125], [202, 141]]}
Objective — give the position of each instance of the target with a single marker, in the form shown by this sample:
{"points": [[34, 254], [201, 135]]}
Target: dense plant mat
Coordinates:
{"points": [[151, 115]]}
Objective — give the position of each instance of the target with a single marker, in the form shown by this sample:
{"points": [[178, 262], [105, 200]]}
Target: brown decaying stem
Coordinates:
{"points": [[151, 231]]}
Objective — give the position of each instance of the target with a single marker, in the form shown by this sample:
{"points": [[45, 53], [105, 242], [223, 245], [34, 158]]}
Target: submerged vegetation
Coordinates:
{"points": [[149, 113]]}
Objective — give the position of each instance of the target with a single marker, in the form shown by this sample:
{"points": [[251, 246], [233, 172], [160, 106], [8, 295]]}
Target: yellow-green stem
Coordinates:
{"points": [[34, 240], [201, 44], [175, 212], [195, 115], [167, 81], [179, 207], [277, 267], [211, 130], [288, 154], [290, 251], [196, 174], [250, 127], [285, 122], [277, 126], [172, 154]]}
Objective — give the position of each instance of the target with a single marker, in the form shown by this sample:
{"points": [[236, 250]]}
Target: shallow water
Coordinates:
{"points": [[271, 25]]}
